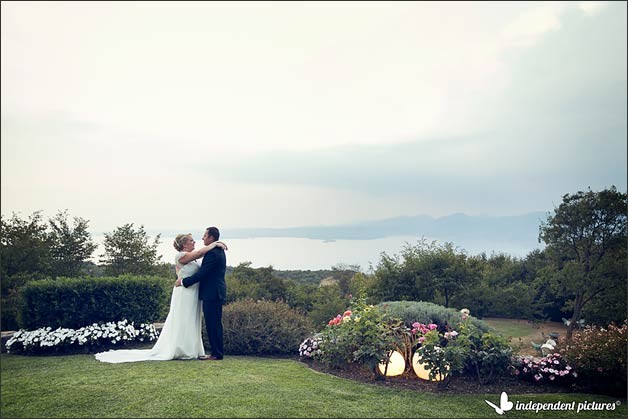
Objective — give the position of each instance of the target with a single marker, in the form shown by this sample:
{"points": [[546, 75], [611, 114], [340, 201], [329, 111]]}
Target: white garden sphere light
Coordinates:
{"points": [[396, 365], [422, 370]]}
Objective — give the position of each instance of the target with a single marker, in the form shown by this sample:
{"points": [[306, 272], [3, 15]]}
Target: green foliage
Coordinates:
{"points": [[24, 246], [504, 289], [486, 355], [586, 244], [51, 249], [441, 357], [362, 335], [77, 302], [458, 348], [599, 356], [301, 296], [257, 284], [128, 251], [328, 301], [10, 292], [262, 328], [307, 277], [426, 312], [70, 245], [426, 271]]}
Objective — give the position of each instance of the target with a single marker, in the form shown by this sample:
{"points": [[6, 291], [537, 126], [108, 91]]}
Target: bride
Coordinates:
{"points": [[181, 336]]}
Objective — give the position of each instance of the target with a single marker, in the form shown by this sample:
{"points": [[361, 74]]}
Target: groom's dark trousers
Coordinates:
{"points": [[212, 310], [213, 291]]}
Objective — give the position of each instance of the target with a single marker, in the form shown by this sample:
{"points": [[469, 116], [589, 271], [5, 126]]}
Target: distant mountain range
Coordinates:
{"points": [[522, 229], [515, 235]]}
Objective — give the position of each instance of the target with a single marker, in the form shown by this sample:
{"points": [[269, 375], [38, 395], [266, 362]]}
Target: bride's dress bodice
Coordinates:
{"points": [[188, 269]]}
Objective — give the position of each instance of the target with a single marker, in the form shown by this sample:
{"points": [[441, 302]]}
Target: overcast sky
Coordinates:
{"points": [[179, 115]]}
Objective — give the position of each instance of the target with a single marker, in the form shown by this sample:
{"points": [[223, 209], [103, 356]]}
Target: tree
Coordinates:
{"points": [[586, 244], [70, 246], [344, 274], [127, 251], [428, 271], [452, 271], [24, 246], [257, 283]]}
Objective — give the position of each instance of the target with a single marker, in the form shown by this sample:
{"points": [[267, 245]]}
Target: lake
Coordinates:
{"points": [[287, 253]]}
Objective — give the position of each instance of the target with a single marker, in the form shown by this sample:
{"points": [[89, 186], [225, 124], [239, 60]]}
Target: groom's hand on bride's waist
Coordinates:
{"points": [[178, 282]]}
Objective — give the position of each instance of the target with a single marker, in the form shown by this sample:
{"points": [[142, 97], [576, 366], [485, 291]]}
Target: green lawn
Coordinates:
{"points": [[80, 386], [522, 333], [510, 327]]}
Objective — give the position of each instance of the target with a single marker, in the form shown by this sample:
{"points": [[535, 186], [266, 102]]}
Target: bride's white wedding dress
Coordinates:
{"points": [[181, 336]]}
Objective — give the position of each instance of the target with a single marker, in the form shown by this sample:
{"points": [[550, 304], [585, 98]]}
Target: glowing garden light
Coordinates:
{"points": [[396, 365], [422, 370]]}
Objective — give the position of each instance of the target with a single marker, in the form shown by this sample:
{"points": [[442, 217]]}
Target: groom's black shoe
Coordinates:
{"points": [[209, 358]]}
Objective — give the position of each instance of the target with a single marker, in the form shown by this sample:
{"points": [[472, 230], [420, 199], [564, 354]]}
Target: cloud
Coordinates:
{"points": [[299, 113], [558, 126]]}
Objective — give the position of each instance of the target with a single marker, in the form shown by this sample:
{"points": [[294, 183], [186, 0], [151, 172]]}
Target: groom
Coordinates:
{"points": [[212, 290]]}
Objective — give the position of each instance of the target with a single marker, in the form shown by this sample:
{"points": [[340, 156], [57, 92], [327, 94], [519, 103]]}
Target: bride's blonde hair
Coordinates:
{"points": [[181, 240]]}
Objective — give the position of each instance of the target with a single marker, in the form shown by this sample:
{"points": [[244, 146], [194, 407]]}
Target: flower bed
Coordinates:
{"points": [[551, 369], [45, 340]]}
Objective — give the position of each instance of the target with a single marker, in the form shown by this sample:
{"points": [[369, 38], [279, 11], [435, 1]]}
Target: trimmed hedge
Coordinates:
{"points": [[78, 302], [10, 287], [426, 312], [262, 328]]}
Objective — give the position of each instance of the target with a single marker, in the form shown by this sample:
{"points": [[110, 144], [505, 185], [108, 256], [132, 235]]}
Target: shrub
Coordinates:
{"points": [[76, 302], [439, 352], [552, 369], [10, 297], [362, 335], [327, 302], [486, 356], [425, 312], [599, 356], [262, 328], [448, 351]]}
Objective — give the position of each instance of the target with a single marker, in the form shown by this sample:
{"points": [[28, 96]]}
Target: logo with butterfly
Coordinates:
{"points": [[504, 404]]}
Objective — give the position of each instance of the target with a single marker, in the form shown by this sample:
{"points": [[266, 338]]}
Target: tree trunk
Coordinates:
{"points": [[577, 309]]}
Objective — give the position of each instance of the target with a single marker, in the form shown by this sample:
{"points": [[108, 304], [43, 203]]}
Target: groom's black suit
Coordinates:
{"points": [[213, 292]]}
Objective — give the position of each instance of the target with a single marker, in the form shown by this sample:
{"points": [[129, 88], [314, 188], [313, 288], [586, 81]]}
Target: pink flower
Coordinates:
{"points": [[422, 339], [432, 326]]}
